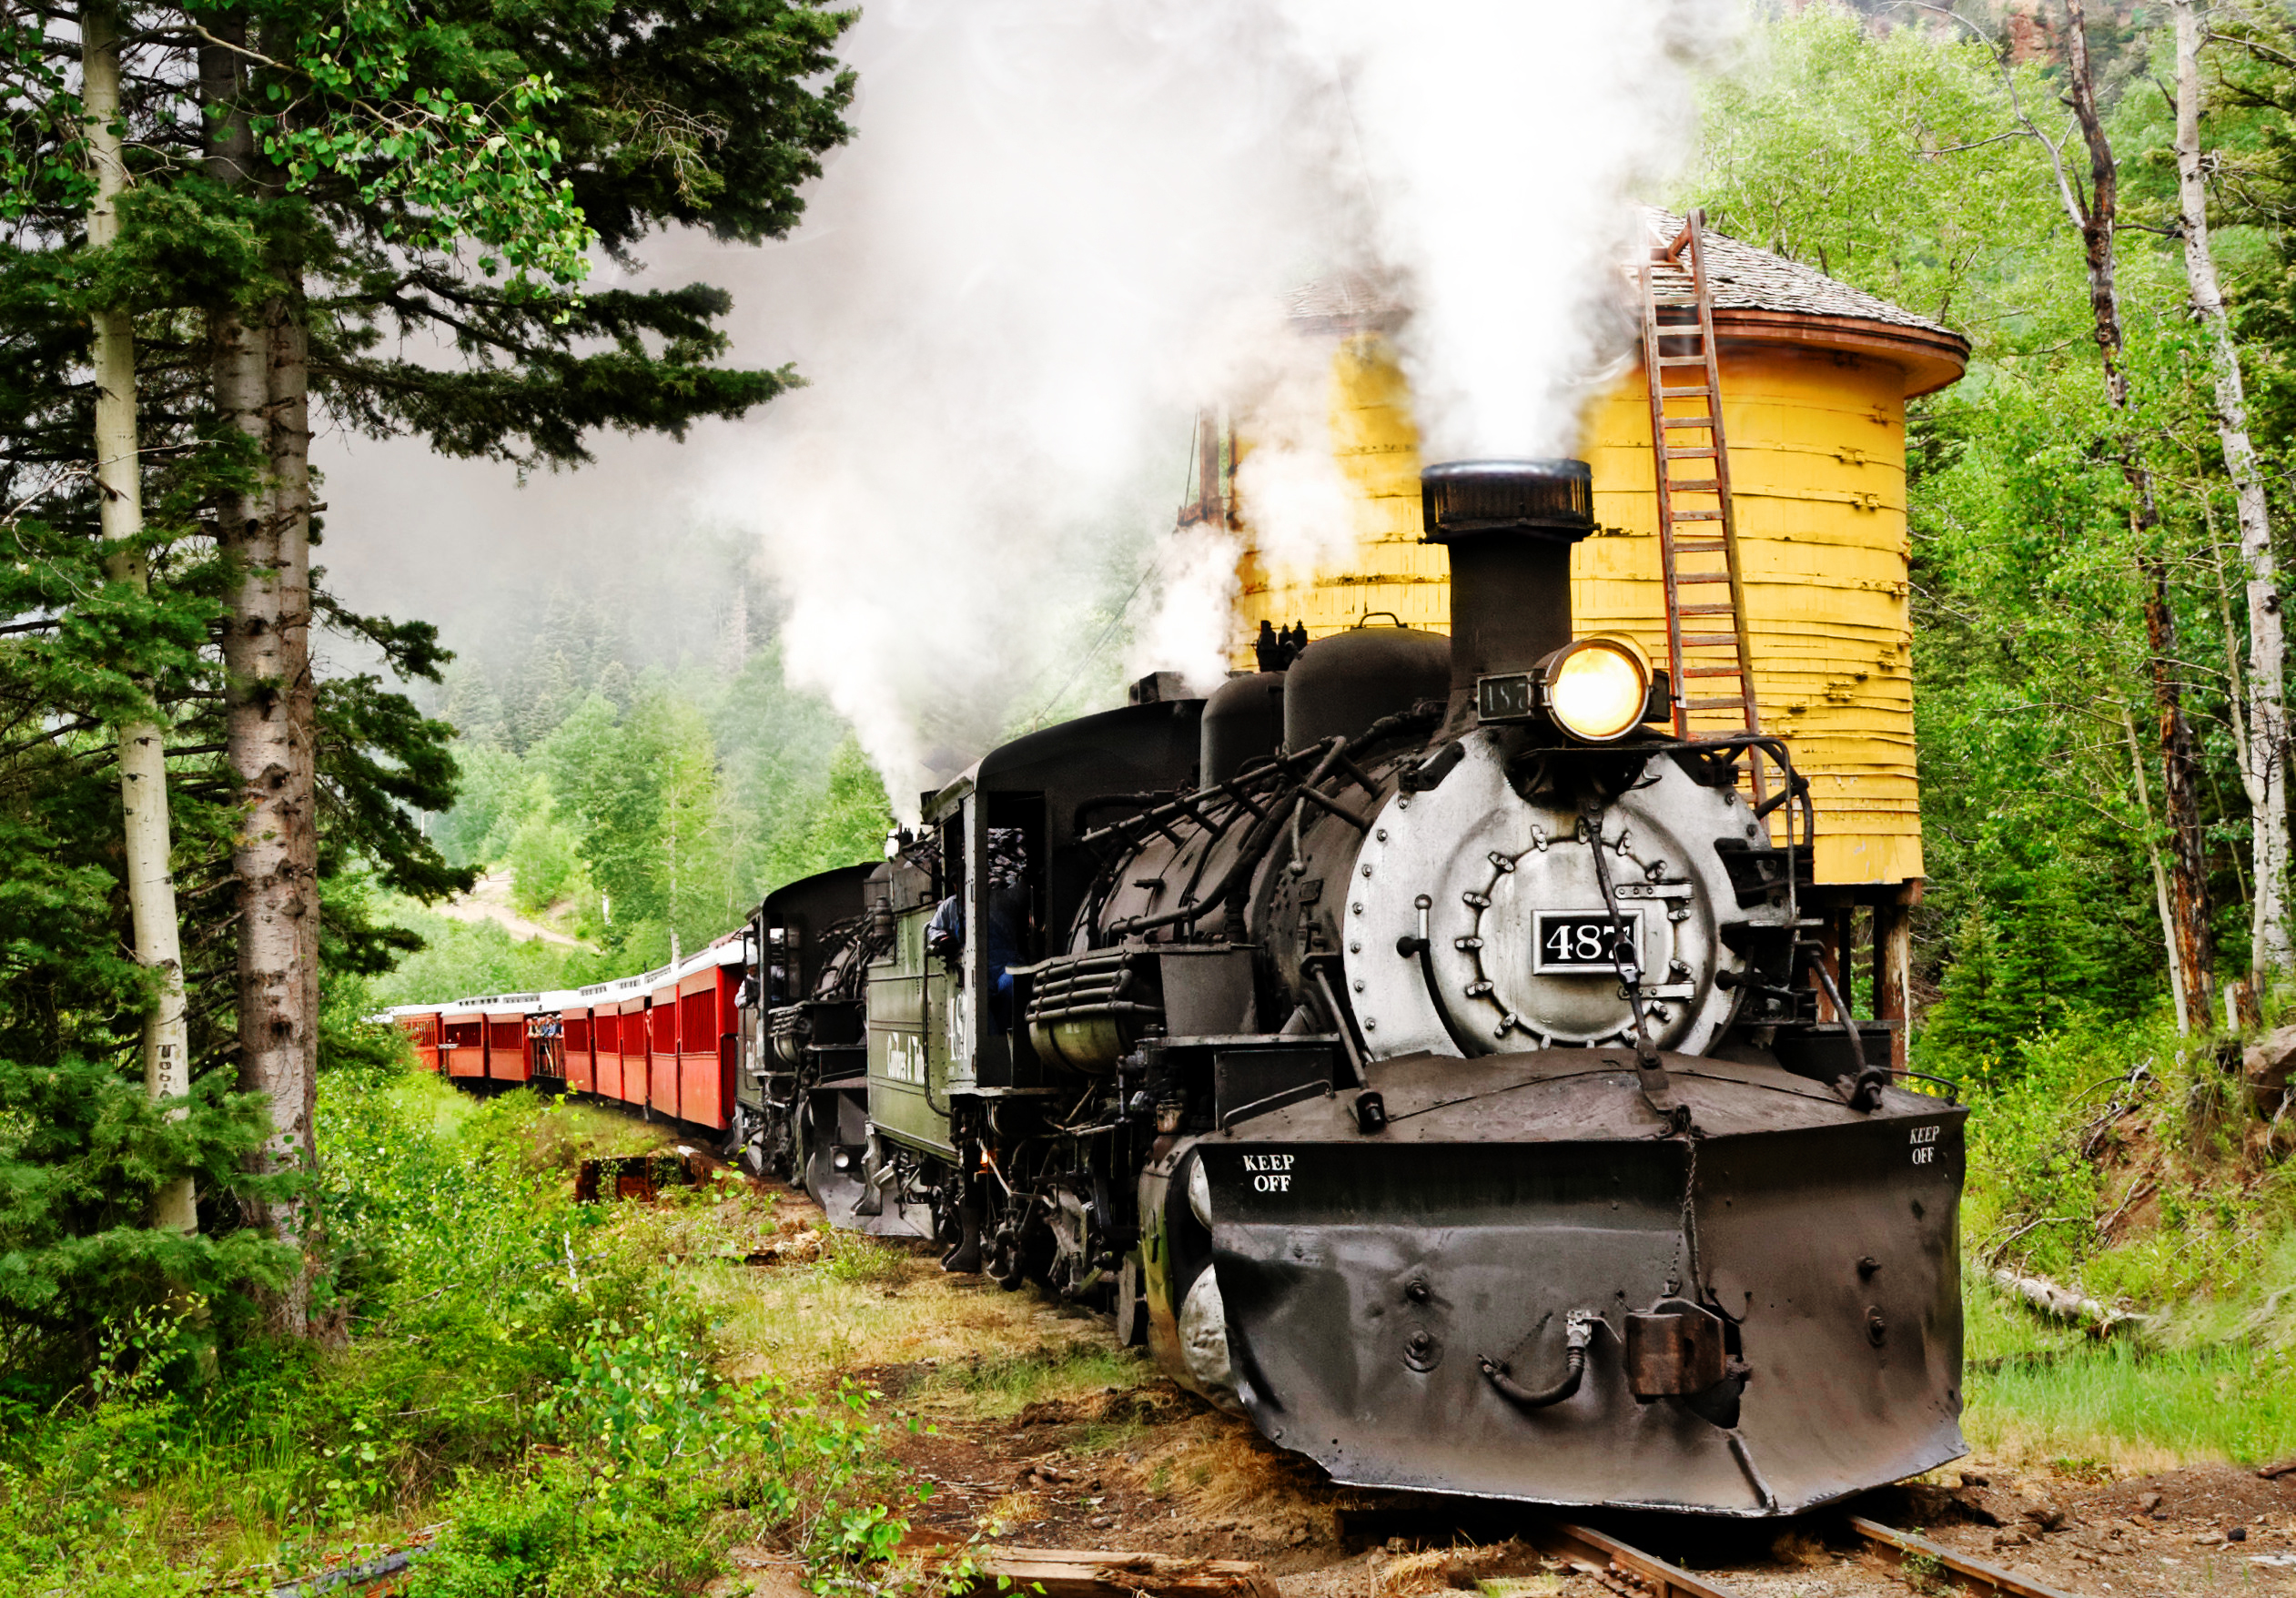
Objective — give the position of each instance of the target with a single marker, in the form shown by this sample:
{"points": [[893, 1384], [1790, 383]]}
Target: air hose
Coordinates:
{"points": [[1579, 1330]]}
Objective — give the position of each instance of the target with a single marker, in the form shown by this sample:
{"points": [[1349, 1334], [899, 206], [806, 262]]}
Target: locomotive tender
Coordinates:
{"points": [[1417, 1048]]}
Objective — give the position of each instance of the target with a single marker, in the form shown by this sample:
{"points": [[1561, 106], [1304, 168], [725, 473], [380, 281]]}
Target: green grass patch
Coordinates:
{"points": [[858, 1258], [2130, 1408], [1005, 1383]]}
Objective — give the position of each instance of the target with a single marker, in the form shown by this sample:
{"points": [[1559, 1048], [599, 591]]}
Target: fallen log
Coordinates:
{"points": [[2062, 1303], [1087, 1573]]}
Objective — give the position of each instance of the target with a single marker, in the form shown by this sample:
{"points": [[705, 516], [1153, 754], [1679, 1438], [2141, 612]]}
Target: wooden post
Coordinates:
{"points": [[1893, 967], [1844, 936]]}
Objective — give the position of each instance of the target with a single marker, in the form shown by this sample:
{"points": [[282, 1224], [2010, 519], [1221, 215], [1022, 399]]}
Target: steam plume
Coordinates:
{"points": [[1498, 142], [1065, 224]]}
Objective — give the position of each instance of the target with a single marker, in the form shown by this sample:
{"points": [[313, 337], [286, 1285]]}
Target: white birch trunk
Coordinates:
{"points": [[143, 746], [2264, 769], [2159, 877]]}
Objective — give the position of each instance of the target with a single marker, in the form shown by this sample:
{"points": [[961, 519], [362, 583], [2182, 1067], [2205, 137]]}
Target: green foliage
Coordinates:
{"points": [[655, 1446], [83, 1150], [1896, 160], [1880, 160], [546, 865], [497, 796], [855, 815], [677, 804], [442, 167], [462, 957], [414, 171], [527, 1358]]}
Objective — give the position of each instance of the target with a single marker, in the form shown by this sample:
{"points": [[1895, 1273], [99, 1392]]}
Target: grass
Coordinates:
{"points": [[870, 1303], [2135, 1411], [1002, 1383], [2124, 1161]]}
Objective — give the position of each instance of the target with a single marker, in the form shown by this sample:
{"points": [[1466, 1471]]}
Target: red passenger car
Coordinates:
{"points": [[510, 1052], [462, 1039], [661, 1029], [605, 1047], [420, 1023], [707, 1034], [631, 1005], [576, 1064]]}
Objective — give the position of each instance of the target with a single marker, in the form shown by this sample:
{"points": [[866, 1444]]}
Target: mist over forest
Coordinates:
{"points": [[634, 764]]}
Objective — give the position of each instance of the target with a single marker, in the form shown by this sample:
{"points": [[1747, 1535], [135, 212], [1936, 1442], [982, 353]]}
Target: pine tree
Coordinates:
{"points": [[738, 99], [311, 180], [87, 644]]}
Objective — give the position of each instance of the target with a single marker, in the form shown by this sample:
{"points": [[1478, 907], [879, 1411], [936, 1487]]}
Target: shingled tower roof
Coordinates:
{"points": [[1757, 295], [1743, 277]]}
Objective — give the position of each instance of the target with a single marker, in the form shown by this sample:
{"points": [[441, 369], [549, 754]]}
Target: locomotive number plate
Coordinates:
{"points": [[1579, 943]]}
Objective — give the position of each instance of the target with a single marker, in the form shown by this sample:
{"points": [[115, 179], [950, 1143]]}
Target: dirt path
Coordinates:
{"points": [[491, 901], [1033, 1429]]}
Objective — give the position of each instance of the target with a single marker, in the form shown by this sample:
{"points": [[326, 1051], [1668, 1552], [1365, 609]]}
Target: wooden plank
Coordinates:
{"points": [[1605, 1553], [1099, 1572], [1975, 1575]]}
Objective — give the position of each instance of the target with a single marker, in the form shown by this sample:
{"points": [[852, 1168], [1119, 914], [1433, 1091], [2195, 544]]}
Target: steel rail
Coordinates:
{"points": [[1975, 1575], [1611, 1558]]}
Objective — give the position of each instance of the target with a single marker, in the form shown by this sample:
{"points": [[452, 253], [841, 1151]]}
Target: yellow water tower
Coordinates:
{"points": [[1815, 379]]}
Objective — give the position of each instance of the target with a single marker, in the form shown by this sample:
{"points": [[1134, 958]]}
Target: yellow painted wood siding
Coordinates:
{"points": [[1818, 461]]}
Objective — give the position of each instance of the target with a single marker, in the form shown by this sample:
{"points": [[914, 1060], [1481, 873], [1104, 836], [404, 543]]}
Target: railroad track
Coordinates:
{"points": [[1628, 1570]]}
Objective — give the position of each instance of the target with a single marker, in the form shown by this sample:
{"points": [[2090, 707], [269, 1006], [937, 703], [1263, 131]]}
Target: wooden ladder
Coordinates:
{"points": [[1711, 663]]}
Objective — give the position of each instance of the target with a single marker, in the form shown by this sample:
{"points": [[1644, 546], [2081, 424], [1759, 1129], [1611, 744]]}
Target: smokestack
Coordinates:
{"points": [[1509, 526]]}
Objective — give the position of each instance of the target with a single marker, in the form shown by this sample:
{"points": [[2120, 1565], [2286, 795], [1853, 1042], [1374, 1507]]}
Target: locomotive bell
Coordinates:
{"points": [[1509, 526]]}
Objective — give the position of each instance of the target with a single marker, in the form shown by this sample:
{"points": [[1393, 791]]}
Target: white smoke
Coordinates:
{"points": [[1065, 225], [1004, 308], [1499, 141], [1302, 512], [1185, 629]]}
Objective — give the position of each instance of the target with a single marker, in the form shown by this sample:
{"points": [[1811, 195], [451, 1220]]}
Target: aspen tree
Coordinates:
{"points": [[2264, 751], [143, 746], [2095, 212]]}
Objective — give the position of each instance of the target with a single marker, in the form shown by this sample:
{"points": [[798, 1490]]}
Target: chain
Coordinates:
{"points": [[1628, 966], [1687, 1241]]}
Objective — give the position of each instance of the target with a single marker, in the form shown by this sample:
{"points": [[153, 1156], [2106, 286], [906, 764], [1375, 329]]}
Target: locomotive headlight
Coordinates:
{"points": [[1597, 688]]}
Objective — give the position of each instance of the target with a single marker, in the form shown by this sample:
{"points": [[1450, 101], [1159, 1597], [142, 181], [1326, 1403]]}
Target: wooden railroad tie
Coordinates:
{"points": [[1099, 1572]]}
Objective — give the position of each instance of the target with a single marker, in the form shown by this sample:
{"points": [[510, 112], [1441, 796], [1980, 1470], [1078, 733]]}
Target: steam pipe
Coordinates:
{"points": [[1256, 845]]}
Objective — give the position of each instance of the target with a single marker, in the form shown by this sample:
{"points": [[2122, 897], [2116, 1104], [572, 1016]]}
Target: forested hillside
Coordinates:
{"points": [[633, 762]]}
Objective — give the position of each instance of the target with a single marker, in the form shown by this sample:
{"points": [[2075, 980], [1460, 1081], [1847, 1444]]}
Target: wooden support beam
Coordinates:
{"points": [[1893, 972]]}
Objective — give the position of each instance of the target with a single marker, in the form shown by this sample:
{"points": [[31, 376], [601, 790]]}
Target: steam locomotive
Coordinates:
{"points": [[1416, 1047]]}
